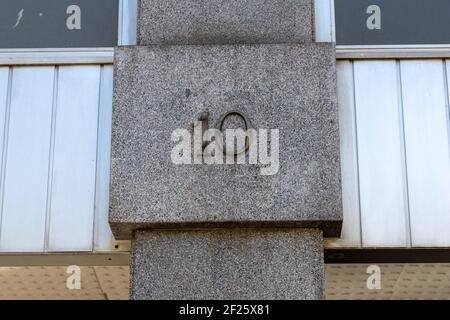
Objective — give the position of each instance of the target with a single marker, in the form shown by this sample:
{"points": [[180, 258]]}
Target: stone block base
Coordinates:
{"points": [[227, 264]]}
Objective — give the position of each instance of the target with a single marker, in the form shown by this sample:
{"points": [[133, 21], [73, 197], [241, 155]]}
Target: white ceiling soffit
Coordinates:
{"points": [[343, 282], [49, 283]]}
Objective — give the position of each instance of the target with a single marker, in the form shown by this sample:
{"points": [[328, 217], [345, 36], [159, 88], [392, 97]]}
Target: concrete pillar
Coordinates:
{"points": [[225, 231]]}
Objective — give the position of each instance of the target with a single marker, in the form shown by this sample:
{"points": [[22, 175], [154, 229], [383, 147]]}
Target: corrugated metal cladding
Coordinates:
{"points": [[54, 143], [56, 139], [395, 153], [55, 127]]}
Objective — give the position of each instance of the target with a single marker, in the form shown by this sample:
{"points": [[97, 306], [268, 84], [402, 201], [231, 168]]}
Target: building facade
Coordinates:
{"points": [[56, 111]]}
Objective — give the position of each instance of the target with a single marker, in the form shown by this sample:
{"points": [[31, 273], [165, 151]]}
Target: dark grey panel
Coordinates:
{"points": [[403, 22], [43, 23]]}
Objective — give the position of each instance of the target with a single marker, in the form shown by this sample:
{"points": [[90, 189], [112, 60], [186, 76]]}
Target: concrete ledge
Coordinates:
{"points": [[124, 230]]}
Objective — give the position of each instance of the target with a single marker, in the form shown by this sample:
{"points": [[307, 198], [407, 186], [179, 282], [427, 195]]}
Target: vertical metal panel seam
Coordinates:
{"points": [[403, 153], [51, 159], [332, 22], [447, 99], [134, 19], [322, 21], [127, 22], [120, 36], [5, 145], [99, 128], [355, 122], [314, 20]]}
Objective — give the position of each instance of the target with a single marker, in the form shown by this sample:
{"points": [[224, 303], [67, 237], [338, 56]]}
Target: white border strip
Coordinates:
{"points": [[127, 22], [106, 55], [56, 56], [324, 20], [393, 52]]}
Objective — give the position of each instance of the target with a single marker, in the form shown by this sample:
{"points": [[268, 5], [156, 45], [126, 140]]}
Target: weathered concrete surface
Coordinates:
{"points": [[225, 22], [159, 89], [228, 264]]}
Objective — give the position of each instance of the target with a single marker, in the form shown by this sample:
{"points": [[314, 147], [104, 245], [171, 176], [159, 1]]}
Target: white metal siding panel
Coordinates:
{"points": [[4, 102], [403, 152], [27, 159], [74, 165], [128, 22], [324, 20], [69, 210], [427, 150], [103, 238], [372, 127], [351, 231], [380, 154], [4, 97]]}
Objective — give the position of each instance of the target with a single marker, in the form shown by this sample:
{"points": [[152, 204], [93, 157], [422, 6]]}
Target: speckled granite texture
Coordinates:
{"points": [[287, 87], [228, 264], [225, 231], [225, 22]]}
